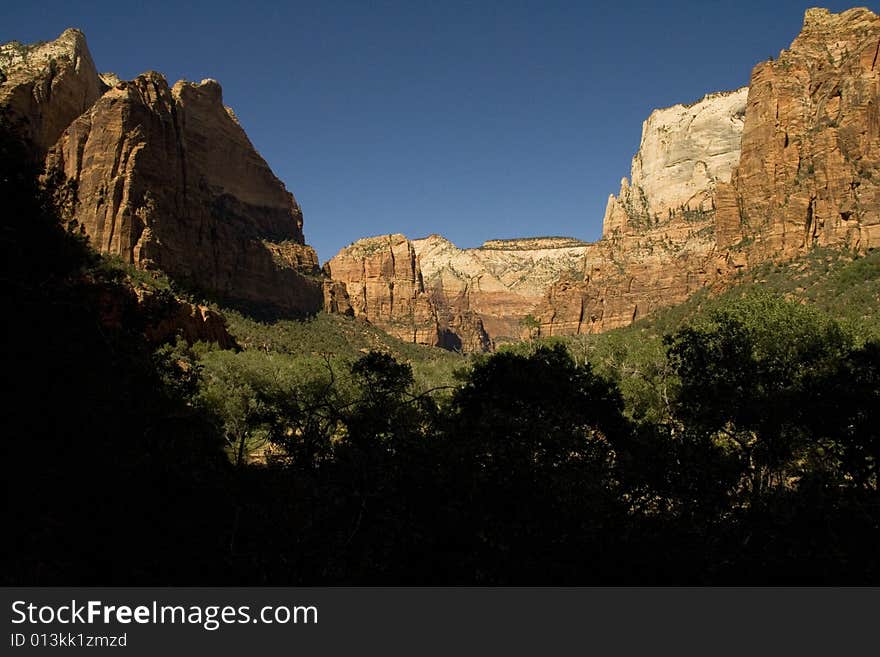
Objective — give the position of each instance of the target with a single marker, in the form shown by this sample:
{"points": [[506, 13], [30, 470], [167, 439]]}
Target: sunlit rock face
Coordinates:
{"points": [[46, 86], [167, 179], [499, 283], [808, 173], [658, 245], [629, 276], [685, 151], [714, 190], [383, 285]]}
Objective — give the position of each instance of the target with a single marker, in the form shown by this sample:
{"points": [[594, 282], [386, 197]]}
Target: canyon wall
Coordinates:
{"points": [[166, 178], [685, 151], [659, 234], [700, 205], [500, 282], [383, 284], [432, 292], [809, 174]]}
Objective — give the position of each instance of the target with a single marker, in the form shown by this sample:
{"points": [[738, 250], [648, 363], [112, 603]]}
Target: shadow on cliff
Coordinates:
{"points": [[108, 469]]}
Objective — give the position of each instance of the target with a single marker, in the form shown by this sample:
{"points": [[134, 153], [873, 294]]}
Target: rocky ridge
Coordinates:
{"points": [[47, 85], [654, 253], [736, 178], [685, 151], [165, 176], [500, 282], [159, 316], [168, 180]]}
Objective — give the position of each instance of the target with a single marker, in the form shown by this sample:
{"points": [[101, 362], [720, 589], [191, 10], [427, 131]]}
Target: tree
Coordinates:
{"points": [[537, 412], [746, 373], [242, 392], [528, 457], [842, 415], [531, 326]]}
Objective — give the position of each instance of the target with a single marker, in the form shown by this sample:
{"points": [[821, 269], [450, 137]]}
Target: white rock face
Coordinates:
{"points": [[525, 267], [685, 150], [501, 282]]}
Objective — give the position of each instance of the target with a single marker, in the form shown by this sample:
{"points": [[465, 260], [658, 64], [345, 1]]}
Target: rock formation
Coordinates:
{"points": [[811, 144], [383, 284], [159, 316], [738, 177], [48, 85], [167, 179], [658, 244], [629, 276], [685, 151], [499, 283], [168, 317]]}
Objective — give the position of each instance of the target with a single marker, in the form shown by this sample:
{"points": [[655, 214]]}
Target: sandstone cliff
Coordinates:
{"points": [[658, 245], [159, 316], [167, 179], [479, 297], [168, 317], [383, 285], [685, 151], [811, 144], [474, 297], [48, 85], [629, 276], [500, 283], [702, 206]]}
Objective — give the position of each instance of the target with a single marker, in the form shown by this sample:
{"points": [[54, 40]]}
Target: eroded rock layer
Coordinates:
{"points": [[499, 283], [383, 285], [631, 275], [167, 179], [160, 316], [659, 235]]}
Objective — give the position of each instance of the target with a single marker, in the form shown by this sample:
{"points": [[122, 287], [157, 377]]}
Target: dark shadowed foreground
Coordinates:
{"points": [[756, 464]]}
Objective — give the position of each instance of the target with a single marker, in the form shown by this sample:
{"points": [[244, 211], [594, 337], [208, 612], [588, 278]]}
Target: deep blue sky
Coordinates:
{"points": [[474, 120]]}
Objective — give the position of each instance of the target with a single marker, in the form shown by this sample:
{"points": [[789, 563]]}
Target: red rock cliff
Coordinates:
{"points": [[808, 174], [810, 166], [167, 179], [383, 281]]}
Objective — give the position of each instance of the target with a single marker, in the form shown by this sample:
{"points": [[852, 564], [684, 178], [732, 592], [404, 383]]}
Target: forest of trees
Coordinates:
{"points": [[754, 462]]}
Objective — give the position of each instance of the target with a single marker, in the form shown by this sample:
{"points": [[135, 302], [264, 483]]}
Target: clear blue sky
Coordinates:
{"points": [[476, 120]]}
